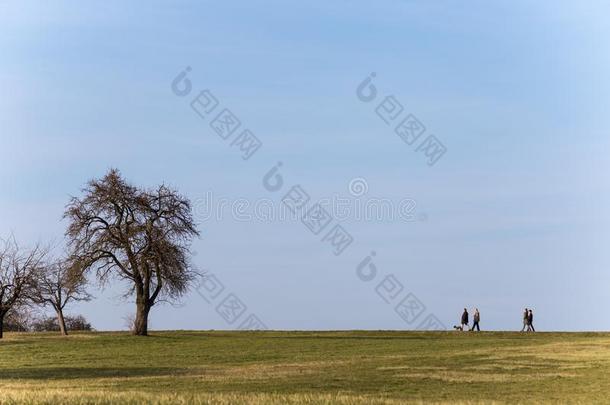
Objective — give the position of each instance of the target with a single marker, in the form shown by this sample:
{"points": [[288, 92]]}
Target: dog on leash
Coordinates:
{"points": [[456, 327]]}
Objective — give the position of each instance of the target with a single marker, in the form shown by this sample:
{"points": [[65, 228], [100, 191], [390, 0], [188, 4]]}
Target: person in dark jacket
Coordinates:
{"points": [[465, 319], [476, 318], [530, 322]]}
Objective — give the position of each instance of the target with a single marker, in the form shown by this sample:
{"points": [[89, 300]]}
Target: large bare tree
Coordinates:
{"points": [[138, 235], [18, 267], [56, 284]]}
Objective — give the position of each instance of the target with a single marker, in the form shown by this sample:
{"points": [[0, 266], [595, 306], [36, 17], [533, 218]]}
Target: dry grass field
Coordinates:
{"points": [[356, 367]]}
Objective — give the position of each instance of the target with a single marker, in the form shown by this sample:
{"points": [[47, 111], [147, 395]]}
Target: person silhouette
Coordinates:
{"points": [[525, 320], [476, 318], [530, 322], [465, 319]]}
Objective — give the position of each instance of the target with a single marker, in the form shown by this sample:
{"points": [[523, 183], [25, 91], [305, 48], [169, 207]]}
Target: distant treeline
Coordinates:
{"points": [[22, 321]]}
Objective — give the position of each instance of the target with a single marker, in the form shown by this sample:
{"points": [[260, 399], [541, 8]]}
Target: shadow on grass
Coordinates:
{"points": [[59, 373], [347, 337], [7, 342]]}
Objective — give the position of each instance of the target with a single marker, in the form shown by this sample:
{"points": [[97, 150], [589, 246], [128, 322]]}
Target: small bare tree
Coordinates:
{"points": [[141, 236], [56, 285], [18, 267], [19, 318]]}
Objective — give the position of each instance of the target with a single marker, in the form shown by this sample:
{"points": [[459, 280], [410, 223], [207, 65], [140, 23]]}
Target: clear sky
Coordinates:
{"points": [[514, 214]]}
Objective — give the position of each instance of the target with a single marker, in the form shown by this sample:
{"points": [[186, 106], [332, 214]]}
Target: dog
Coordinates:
{"points": [[456, 327]]}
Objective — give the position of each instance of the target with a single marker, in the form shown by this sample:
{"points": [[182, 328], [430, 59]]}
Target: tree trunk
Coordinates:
{"points": [[1, 323], [140, 327], [62, 322]]}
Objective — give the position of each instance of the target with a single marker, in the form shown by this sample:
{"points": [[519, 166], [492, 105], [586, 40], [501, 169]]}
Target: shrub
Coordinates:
{"points": [[50, 324], [17, 320]]}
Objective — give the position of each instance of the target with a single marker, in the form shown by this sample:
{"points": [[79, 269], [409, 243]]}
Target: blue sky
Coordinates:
{"points": [[516, 211]]}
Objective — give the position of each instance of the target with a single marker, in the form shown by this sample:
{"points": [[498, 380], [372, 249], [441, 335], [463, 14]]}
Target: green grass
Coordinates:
{"points": [[306, 367]]}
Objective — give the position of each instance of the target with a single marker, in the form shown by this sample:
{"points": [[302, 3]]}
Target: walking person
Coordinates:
{"points": [[476, 318], [465, 319], [530, 322], [526, 315]]}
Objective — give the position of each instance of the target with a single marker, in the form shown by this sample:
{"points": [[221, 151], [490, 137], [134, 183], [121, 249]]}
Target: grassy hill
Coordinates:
{"points": [[305, 367]]}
